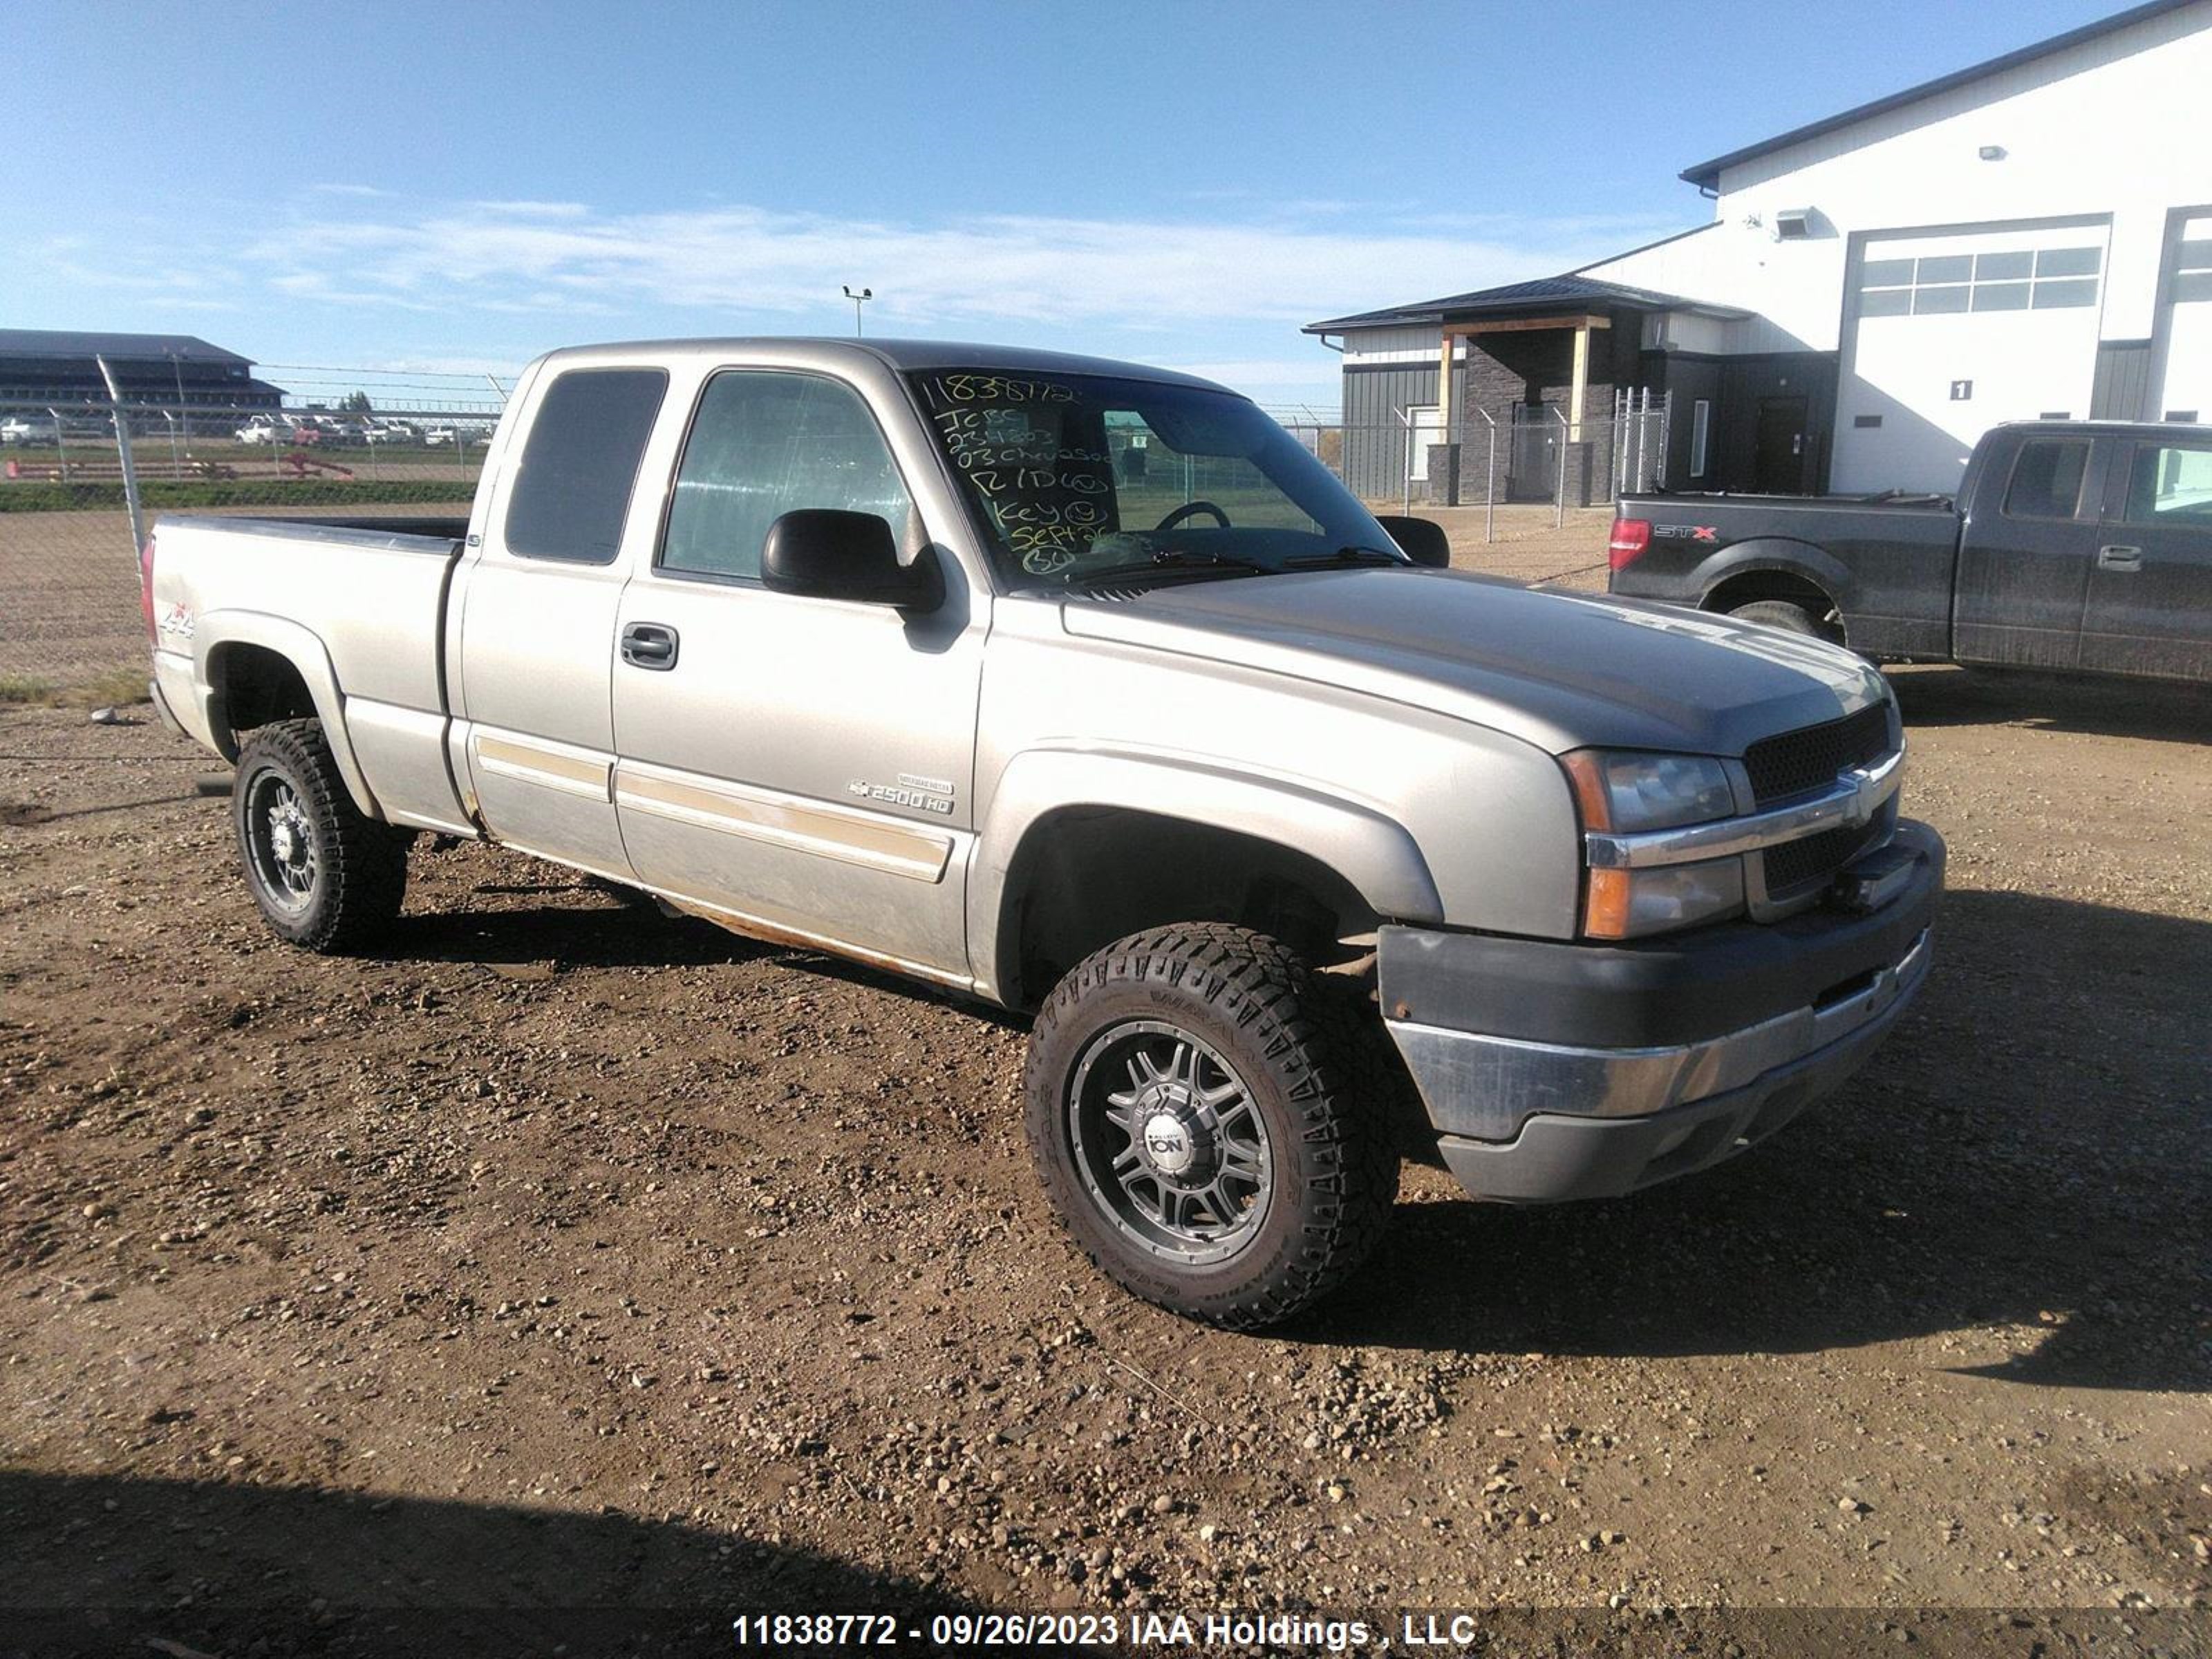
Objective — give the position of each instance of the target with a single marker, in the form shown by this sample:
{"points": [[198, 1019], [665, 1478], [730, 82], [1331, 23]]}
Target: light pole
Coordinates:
{"points": [[864, 293], [177, 368]]}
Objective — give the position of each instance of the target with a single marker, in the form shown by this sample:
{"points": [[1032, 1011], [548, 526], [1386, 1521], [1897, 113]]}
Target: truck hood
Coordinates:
{"points": [[1561, 671]]}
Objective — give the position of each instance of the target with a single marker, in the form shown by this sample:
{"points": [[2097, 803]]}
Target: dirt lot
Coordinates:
{"points": [[561, 1255]]}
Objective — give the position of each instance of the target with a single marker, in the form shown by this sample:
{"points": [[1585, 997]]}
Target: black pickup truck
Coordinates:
{"points": [[2076, 546]]}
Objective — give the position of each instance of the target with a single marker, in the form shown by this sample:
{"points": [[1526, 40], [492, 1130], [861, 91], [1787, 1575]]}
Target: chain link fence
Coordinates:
{"points": [[355, 443], [1535, 455]]}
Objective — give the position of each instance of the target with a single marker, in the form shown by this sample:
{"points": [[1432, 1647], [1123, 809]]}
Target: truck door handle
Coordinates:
{"points": [[648, 644], [2119, 558]]}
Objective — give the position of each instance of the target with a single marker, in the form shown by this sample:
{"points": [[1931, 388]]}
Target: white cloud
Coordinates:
{"points": [[1320, 369], [1250, 268]]}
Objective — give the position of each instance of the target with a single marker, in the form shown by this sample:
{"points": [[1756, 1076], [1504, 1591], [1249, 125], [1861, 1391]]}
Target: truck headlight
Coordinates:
{"points": [[1625, 793], [1628, 792]]}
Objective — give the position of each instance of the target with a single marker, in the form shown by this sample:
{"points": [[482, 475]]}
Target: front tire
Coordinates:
{"points": [[1186, 1104], [326, 876]]}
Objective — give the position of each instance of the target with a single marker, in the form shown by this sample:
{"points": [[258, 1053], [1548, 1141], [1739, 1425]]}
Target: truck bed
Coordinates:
{"points": [[1887, 561], [359, 606]]}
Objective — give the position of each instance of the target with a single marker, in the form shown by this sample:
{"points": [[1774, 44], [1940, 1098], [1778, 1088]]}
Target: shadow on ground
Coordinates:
{"points": [[2027, 1149], [107, 1566], [2160, 711]]}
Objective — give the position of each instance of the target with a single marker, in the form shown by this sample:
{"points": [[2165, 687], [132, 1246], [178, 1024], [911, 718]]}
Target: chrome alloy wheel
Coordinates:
{"points": [[1168, 1142], [283, 842]]}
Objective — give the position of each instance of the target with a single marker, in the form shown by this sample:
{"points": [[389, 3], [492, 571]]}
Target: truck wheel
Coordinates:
{"points": [[1786, 613], [1187, 1108], [324, 876]]}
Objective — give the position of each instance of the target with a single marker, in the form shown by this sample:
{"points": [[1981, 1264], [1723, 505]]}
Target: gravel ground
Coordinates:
{"points": [[564, 1255]]}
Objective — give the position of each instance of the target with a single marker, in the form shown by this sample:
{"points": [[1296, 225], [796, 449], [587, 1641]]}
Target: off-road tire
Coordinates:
{"points": [[1333, 1162], [359, 865]]}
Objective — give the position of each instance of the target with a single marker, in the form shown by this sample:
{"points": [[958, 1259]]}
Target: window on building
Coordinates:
{"points": [[765, 444], [572, 491], [2043, 279], [2192, 269], [2047, 479], [2171, 484], [1701, 421]]}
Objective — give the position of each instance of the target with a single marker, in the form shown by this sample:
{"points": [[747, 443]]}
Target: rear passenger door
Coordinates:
{"points": [[803, 764], [2149, 608], [538, 620], [2024, 565]]}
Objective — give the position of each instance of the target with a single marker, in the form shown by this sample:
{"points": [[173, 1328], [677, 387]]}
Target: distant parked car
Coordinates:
{"points": [[261, 429], [26, 429], [390, 432]]}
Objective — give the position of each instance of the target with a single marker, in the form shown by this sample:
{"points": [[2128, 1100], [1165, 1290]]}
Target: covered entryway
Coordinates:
{"points": [[1533, 383]]}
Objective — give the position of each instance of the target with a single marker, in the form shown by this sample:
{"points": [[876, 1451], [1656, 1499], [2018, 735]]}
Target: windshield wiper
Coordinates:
{"points": [[1169, 562], [1346, 555]]}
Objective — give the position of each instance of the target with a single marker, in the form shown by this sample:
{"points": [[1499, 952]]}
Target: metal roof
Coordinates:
{"points": [[72, 343], [1706, 175], [1544, 293]]}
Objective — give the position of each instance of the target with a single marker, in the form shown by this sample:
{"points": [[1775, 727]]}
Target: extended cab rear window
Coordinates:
{"points": [[2047, 479], [571, 491]]}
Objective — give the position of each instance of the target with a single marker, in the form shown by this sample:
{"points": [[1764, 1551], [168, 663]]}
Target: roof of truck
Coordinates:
{"points": [[901, 355], [2195, 430]]}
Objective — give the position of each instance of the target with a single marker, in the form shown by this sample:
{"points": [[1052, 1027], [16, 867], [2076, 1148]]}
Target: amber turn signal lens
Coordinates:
{"points": [[1606, 904], [1587, 770]]}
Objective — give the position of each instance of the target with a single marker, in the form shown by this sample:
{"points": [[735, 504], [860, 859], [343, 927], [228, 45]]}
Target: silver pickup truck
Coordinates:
{"points": [[1082, 688]]}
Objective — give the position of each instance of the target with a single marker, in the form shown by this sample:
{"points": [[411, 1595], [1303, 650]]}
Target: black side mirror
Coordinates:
{"points": [[825, 553], [1420, 540]]}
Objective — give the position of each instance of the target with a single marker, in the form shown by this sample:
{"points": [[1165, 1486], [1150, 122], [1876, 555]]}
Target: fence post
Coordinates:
{"points": [[1559, 495], [61, 443], [1490, 481], [1406, 419], [123, 455]]}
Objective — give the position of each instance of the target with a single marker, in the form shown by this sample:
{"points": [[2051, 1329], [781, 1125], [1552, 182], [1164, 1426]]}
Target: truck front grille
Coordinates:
{"points": [[1796, 761]]}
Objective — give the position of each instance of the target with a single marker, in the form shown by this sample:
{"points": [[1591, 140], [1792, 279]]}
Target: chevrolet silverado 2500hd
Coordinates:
{"points": [[2074, 546], [1083, 689]]}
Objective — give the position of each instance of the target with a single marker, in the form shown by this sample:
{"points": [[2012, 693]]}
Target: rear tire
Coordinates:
{"points": [[1186, 1104], [1791, 615], [326, 876]]}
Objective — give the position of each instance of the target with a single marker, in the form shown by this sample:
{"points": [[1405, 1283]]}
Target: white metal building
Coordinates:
{"points": [[2031, 237]]}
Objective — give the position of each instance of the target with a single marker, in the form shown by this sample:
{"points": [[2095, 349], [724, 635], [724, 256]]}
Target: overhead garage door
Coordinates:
{"points": [[2186, 392], [1947, 335]]}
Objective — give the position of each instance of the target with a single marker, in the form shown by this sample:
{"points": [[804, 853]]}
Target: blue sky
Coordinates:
{"points": [[461, 186]]}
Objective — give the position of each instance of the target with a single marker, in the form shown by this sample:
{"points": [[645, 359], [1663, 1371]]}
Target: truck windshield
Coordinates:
{"points": [[1075, 477]]}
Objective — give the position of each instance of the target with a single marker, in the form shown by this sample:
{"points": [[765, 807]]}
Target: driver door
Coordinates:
{"points": [[803, 765]]}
